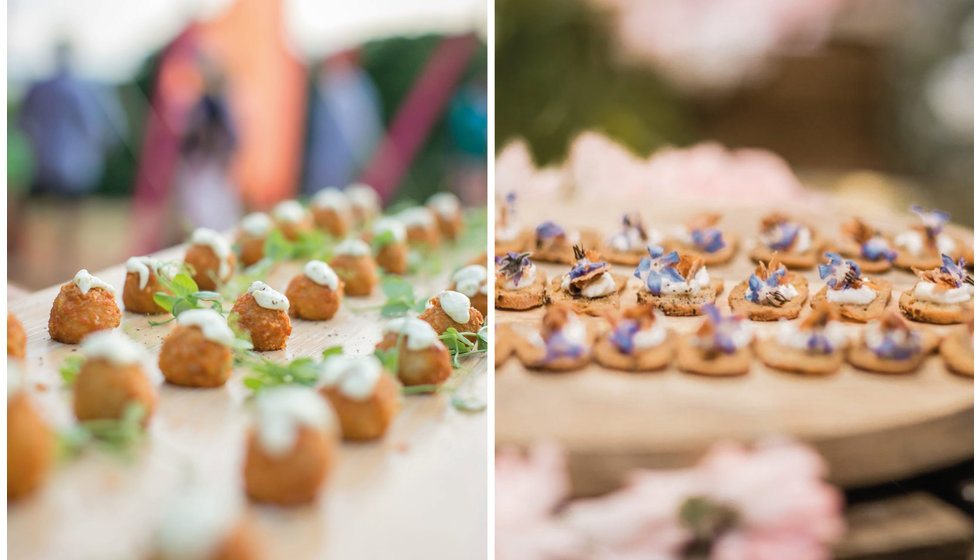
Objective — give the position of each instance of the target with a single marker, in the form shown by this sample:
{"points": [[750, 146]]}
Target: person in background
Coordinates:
{"points": [[206, 195], [345, 123], [71, 125]]}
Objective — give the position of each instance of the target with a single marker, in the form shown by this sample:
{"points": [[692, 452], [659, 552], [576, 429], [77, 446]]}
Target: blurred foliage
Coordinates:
{"points": [[394, 64], [557, 74]]}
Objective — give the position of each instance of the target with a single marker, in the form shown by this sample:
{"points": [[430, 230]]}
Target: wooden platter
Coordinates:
{"points": [[420, 491], [870, 428]]}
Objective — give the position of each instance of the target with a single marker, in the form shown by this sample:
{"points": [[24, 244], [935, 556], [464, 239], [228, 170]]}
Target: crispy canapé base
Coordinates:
{"points": [[859, 313], [692, 360], [588, 306], [861, 357], [937, 314], [761, 312]]}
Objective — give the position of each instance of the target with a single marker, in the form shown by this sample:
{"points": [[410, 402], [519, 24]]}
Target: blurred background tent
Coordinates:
{"points": [[869, 96], [224, 106]]}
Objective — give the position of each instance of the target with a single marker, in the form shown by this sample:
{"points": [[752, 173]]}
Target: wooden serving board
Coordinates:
{"points": [[418, 492], [870, 428]]}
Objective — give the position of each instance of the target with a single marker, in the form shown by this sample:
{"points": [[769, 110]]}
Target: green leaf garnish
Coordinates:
{"points": [[184, 295], [333, 351], [69, 369], [118, 436], [265, 373], [461, 345]]}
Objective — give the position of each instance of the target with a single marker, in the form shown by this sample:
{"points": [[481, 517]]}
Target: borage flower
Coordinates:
{"points": [[877, 248], [622, 335], [720, 334], [656, 268], [956, 270], [892, 339], [513, 265], [779, 234], [708, 240], [840, 274], [932, 221], [767, 290], [549, 230]]}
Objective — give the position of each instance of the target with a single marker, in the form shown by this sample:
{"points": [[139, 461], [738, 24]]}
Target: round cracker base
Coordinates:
{"points": [[650, 359], [720, 256], [623, 258], [925, 262], [859, 313], [793, 360], [761, 312], [588, 306], [929, 312], [691, 360], [861, 357], [504, 344], [533, 356], [522, 243], [957, 355], [682, 306], [533, 296], [792, 261]]}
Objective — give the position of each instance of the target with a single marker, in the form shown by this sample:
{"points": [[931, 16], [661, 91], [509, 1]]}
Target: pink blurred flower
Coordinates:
{"points": [[514, 170], [712, 45], [776, 502], [528, 491], [705, 171]]}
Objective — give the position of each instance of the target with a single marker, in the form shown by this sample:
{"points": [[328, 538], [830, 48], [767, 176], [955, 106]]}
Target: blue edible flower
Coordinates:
{"points": [[877, 248], [723, 329], [933, 220], [549, 229], [622, 336], [656, 268], [956, 270], [786, 234], [558, 346], [760, 290], [839, 273], [708, 240]]}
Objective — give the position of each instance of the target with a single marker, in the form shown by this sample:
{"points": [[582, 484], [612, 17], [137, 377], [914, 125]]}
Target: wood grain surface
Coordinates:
{"points": [[870, 428], [420, 492]]}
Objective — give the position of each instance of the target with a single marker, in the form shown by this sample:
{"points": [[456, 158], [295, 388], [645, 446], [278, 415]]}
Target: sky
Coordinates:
{"points": [[111, 38]]}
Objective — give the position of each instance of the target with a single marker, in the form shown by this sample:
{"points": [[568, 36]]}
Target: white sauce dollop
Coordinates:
{"points": [[143, 266], [471, 280], [395, 227], [803, 240], [701, 280], [418, 216], [456, 305], [353, 247], [604, 285], [218, 245], [194, 524], [289, 212], [926, 291], [791, 337], [86, 282], [526, 280], [331, 198], [506, 233], [212, 325], [912, 241], [446, 204], [788, 291], [268, 298], [858, 296], [652, 336], [354, 376], [418, 335], [282, 411], [116, 348], [256, 224], [363, 197], [321, 273]]}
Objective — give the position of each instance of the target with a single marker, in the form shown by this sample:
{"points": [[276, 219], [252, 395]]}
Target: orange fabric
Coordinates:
{"points": [[267, 90]]}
